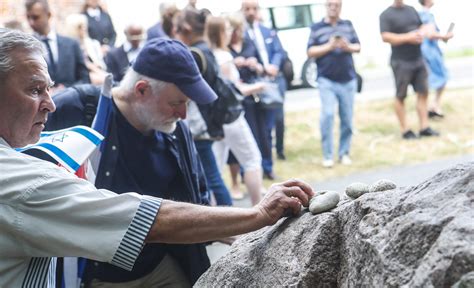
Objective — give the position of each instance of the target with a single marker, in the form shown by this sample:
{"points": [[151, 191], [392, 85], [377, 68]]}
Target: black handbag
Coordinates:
{"points": [[270, 97]]}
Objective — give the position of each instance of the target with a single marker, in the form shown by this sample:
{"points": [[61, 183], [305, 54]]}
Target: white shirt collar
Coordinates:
{"points": [[53, 43], [132, 54], [52, 36], [255, 25], [93, 12], [127, 47]]}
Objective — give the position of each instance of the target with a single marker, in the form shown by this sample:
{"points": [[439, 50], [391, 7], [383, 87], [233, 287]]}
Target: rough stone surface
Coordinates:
{"points": [[357, 189], [420, 236], [466, 281], [382, 185], [323, 201]]}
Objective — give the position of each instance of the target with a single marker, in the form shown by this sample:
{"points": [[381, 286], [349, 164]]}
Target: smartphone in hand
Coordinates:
{"points": [[451, 28]]}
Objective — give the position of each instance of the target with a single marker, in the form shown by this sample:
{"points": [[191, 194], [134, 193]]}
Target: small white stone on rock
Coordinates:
{"points": [[382, 185], [357, 189], [323, 201]]}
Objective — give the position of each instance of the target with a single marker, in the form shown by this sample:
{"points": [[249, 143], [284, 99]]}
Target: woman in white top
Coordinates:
{"points": [[238, 137], [76, 27]]}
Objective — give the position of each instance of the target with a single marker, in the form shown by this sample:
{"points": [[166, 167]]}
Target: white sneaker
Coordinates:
{"points": [[328, 163], [346, 160]]}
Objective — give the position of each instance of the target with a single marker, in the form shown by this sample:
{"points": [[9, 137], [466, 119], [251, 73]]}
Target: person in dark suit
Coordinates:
{"points": [[65, 60], [167, 11], [100, 24], [118, 59], [270, 54]]}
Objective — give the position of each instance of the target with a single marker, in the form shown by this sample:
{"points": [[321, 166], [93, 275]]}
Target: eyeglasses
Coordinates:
{"points": [[337, 5]]}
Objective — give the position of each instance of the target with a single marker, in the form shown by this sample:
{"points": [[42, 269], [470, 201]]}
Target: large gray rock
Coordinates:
{"points": [[421, 236]]}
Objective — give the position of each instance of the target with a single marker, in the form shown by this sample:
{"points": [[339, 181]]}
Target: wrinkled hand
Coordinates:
{"points": [[448, 36], [415, 37], [251, 62], [271, 70], [343, 44], [260, 86], [282, 198], [105, 49], [239, 61], [333, 43]]}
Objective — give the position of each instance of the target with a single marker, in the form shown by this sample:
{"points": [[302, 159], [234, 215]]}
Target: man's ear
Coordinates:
{"points": [[186, 28], [141, 88]]}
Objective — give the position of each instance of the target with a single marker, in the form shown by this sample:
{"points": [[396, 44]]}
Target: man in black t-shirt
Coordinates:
{"points": [[402, 28]]}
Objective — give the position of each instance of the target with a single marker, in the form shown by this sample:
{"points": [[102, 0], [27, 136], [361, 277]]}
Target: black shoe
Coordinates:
{"points": [[281, 156], [409, 135], [434, 114], [269, 175], [428, 132]]}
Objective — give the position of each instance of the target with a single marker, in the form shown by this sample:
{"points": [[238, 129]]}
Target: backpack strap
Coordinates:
{"points": [[90, 108], [89, 96], [200, 56]]}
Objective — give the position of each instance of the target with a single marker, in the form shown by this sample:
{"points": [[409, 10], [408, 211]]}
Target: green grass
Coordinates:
{"points": [[463, 52]]}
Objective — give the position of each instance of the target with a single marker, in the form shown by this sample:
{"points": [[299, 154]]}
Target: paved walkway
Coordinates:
{"points": [[404, 176]]}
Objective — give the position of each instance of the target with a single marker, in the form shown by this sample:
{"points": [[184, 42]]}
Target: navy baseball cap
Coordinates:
{"points": [[171, 61]]}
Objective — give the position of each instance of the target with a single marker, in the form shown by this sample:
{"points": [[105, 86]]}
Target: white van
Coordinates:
{"points": [[292, 19]]}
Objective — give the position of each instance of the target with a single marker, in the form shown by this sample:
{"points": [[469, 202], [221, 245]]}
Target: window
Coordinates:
{"points": [[266, 18], [292, 17]]}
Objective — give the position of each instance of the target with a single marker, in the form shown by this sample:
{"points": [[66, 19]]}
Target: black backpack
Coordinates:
{"points": [[76, 105], [228, 106]]}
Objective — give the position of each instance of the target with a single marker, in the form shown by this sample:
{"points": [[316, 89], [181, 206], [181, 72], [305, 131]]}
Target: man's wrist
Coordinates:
{"points": [[262, 218]]}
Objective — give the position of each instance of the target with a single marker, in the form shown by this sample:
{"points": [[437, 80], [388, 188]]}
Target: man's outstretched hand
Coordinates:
{"points": [[282, 198]]}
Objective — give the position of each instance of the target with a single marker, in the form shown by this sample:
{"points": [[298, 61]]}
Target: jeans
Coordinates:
{"points": [[213, 176], [332, 93]]}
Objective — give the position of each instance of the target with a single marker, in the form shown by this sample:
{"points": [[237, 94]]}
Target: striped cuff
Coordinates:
{"points": [[134, 240]]}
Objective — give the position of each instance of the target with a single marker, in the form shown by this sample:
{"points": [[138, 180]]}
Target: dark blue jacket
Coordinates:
{"points": [[102, 28], [275, 51], [70, 66], [155, 31], [192, 258], [117, 62]]}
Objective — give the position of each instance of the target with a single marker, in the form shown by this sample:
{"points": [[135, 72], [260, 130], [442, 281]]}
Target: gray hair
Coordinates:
{"points": [[10, 41], [131, 77]]}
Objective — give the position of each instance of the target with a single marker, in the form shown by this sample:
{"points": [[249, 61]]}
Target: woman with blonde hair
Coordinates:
{"points": [[76, 28], [238, 137]]}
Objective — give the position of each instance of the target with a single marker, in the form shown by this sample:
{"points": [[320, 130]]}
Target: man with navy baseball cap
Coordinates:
{"points": [[150, 151], [171, 61]]}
